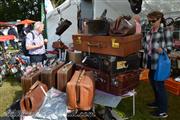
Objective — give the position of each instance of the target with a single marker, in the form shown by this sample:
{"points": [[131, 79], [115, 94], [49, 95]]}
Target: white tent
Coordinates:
{"points": [[114, 8]]}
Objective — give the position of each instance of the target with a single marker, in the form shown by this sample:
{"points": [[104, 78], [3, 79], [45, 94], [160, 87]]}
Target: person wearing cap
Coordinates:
{"points": [[157, 37]]}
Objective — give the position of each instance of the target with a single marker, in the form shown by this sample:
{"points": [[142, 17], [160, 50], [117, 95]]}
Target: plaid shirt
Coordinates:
{"points": [[160, 39]]}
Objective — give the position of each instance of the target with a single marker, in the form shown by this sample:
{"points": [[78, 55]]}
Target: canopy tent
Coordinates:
{"points": [[114, 8], [6, 38], [26, 21]]}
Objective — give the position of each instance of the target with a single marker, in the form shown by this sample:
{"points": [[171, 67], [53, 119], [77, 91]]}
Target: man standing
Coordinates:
{"points": [[35, 43]]}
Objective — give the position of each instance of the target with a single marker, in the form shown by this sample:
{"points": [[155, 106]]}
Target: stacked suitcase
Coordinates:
{"points": [[114, 61]]}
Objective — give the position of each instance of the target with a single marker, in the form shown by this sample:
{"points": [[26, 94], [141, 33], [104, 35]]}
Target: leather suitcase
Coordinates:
{"points": [[49, 75], [80, 91], [113, 64], [28, 80], [108, 45], [64, 74], [124, 83], [102, 79], [173, 86], [75, 56], [116, 84]]}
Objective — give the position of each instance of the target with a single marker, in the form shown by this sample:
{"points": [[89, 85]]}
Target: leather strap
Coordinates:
{"points": [[78, 86]]}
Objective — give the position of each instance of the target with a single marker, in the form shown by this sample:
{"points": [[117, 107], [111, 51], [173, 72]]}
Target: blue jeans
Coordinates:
{"points": [[158, 89]]}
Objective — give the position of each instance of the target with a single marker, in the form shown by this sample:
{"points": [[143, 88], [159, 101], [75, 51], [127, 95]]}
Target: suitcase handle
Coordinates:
{"points": [[94, 44], [78, 87]]}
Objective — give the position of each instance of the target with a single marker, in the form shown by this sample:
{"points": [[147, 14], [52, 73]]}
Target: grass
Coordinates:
{"points": [[145, 95], [11, 91]]}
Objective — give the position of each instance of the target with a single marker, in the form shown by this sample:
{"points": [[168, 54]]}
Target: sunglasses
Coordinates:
{"points": [[152, 21]]}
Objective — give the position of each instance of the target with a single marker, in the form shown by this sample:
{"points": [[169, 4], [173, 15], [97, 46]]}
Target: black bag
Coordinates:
{"points": [[62, 26], [92, 61], [23, 48], [98, 27], [135, 6]]}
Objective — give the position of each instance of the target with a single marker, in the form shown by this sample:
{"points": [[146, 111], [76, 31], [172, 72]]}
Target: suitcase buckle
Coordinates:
{"points": [[114, 43], [121, 65], [78, 41]]}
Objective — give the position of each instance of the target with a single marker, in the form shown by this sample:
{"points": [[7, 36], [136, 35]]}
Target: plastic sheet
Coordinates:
{"points": [[54, 106]]}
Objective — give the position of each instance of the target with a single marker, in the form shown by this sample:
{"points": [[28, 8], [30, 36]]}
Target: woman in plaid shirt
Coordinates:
{"points": [[156, 38]]}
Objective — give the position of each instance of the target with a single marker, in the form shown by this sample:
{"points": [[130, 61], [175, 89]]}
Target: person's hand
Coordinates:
{"points": [[45, 41], [159, 50], [40, 45]]}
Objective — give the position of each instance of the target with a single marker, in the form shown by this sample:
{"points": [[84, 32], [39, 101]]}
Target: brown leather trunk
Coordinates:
{"points": [[80, 91], [102, 80], [108, 45], [116, 84], [64, 74], [125, 82], [28, 80], [49, 75]]}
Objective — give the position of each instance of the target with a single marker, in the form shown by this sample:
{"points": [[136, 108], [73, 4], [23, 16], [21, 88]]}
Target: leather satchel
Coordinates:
{"points": [[123, 26], [62, 26], [31, 102], [59, 45], [80, 91]]}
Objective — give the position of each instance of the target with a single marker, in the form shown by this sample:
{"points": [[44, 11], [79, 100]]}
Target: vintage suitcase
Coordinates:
{"points": [[75, 56], [124, 83], [28, 80], [80, 91], [49, 75], [108, 45], [173, 86], [102, 80], [113, 64], [64, 74], [116, 84]]}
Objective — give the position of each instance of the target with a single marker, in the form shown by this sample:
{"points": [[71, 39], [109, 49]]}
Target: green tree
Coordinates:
{"points": [[11, 10]]}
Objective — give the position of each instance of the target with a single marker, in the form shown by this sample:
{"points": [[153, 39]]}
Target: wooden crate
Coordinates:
{"points": [[172, 86], [144, 75]]}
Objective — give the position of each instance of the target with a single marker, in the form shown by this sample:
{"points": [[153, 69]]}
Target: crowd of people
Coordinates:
{"points": [[19, 34]]}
